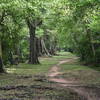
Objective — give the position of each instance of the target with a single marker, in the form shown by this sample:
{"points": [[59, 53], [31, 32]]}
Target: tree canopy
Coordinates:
{"points": [[31, 28]]}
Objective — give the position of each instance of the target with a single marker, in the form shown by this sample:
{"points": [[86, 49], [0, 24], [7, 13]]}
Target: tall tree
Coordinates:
{"points": [[33, 58]]}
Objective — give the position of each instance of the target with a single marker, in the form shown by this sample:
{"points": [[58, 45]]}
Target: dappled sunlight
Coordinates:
{"points": [[11, 70]]}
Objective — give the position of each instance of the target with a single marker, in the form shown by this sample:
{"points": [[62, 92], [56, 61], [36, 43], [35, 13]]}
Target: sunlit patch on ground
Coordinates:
{"points": [[10, 70]]}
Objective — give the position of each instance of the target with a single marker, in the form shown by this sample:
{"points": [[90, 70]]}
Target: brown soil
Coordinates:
{"points": [[82, 90]]}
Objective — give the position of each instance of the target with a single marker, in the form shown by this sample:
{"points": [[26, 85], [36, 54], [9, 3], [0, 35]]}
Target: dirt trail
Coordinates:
{"points": [[55, 72]]}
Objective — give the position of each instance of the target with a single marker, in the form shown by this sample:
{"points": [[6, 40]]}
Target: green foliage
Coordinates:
{"points": [[79, 28], [73, 24]]}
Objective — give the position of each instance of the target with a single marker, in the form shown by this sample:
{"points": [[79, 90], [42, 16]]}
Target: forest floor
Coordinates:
{"points": [[60, 77]]}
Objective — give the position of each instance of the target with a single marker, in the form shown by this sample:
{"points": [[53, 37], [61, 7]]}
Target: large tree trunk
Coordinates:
{"points": [[1, 62], [33, 58], [1, 66]]}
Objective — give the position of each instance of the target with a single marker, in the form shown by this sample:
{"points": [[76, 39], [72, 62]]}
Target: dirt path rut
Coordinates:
{"points": [[76, 87]]}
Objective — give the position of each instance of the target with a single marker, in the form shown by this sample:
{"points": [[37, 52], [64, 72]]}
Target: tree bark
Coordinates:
{"points": [[44, 49], [39, 46], [33, 57], [1, 62]]}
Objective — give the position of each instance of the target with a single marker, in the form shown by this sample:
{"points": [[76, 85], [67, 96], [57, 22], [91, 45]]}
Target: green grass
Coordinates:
{"points": [[30, 75], [46, 64], [74, 67], [26, 75], [75, 71], [29, 69], [32, 69]]}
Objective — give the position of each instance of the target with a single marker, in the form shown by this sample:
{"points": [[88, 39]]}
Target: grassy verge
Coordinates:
{"points": [[75, 71]]}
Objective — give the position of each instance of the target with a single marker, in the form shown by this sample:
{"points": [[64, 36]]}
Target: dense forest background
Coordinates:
{"points": [[33, 28]]}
